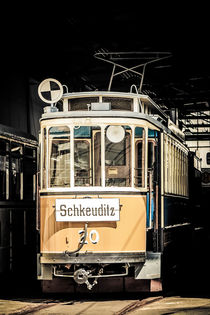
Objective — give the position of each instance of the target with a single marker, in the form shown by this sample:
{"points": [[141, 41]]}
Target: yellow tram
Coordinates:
{"points": [[113, 198]]}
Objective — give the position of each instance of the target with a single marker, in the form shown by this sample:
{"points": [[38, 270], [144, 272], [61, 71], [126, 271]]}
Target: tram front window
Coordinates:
{"points": [[83, 155], [99, 157], [59, 153], [82, 163]]}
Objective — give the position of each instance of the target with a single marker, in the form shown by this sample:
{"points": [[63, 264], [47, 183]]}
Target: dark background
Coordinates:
{"points": [[59, 40]]}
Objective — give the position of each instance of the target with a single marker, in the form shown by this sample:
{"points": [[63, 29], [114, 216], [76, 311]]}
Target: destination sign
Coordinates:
{"points": [[87, 210]]}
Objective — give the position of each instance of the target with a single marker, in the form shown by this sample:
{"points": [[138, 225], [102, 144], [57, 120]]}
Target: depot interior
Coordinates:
{"points": [[61, 45]]}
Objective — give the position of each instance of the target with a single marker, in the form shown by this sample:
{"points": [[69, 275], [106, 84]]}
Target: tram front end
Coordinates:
{"points": [[93, 199]]}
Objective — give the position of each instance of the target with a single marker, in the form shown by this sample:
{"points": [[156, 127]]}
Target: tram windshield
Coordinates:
{"points": [[85, 156]]}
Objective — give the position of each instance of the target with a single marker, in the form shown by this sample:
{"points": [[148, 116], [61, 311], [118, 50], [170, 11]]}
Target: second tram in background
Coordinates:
{"points": [[18, 168], [114, 193]]}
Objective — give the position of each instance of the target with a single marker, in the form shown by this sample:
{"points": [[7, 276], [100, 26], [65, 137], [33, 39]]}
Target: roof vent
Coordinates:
{"points": [[101, 106], [50, 109]]}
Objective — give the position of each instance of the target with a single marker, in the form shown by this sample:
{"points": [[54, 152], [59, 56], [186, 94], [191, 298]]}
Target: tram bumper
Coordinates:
{"points": [[146, 265], [45, 262]]}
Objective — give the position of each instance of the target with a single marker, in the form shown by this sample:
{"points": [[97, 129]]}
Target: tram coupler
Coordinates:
{"points": [[81, 277]]}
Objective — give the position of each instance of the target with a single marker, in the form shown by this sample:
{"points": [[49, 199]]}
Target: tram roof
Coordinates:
{"points": [[159, 118], [114, 93], [142, 97]]}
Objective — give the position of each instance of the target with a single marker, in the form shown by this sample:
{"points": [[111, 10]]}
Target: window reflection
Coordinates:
{"points": [[82, 163], [87, 143], [118, 157], [82, 143], [4, 174], [16, 160], [15, 178], [29, 171]]}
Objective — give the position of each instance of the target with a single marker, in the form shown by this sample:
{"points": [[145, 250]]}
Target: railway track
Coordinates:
{"points": [[137, 304], [77, 307]]}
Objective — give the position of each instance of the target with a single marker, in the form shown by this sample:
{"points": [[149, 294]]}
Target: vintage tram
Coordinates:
{"points": [[114, 195]]}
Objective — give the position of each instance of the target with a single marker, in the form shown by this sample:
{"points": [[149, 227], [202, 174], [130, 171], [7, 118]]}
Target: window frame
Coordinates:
{"points": [[49, 145], [126, 166], [72, 187], [175, 167], [208, 158]]}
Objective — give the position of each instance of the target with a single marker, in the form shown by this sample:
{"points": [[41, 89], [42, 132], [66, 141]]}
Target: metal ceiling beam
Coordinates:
{"points": [[197, 125], [198, 136], [182, 116]]}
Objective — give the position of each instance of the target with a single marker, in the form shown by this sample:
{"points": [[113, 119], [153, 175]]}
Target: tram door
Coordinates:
{"points": [[153, 182]]}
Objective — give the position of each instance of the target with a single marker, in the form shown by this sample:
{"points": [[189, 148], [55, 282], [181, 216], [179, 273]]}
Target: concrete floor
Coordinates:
{"points": [[156, 305]]}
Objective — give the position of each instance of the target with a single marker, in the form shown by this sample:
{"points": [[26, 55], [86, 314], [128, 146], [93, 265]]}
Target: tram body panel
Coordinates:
{"points": [[126, 235]]}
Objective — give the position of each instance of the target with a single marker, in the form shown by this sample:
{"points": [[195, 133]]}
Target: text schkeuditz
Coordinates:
{"points": [[87, 211], [103, 210]]}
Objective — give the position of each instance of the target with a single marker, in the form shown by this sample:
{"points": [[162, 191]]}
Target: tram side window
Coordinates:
{"points": [[3, 177], [208, 158], [152, 153], [4, 170], [175, 168], [16, 171], [119, 103], [44, 157], [139, 157], [97, 158], [29, 171], [118, 156], [81, 103], [59, 156]]}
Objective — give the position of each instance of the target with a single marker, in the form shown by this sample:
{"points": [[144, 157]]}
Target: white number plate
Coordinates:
{"points": [[87, 210]]}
